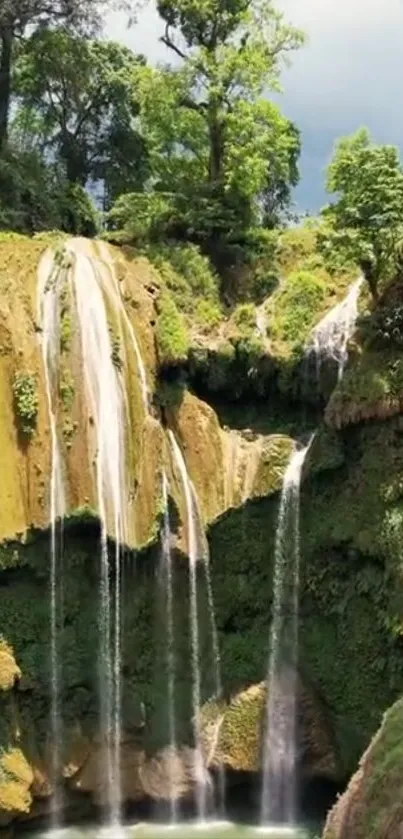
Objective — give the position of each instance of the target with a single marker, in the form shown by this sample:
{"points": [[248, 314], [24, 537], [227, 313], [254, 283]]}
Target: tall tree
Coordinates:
{"points": [[365, 223], [16, 16], [78, 99], [211, 131]]}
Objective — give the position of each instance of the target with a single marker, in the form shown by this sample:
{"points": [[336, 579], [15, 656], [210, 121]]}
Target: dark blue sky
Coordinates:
{"points": [[349, 74]]}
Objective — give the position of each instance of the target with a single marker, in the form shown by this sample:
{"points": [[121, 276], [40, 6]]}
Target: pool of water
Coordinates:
{"points": [[188, 830]]}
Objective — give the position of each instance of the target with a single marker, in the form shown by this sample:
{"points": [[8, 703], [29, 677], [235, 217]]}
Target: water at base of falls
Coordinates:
{"points": [[278, 804], [187, 830]]}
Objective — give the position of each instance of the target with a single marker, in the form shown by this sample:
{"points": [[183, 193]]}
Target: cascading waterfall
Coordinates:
{"points": [[106, 396], [89, 275], [201, 774], [204, 552], [168, 580], [49, 287], [330, 337], [113, 288], [278, 805], [198, 550]]}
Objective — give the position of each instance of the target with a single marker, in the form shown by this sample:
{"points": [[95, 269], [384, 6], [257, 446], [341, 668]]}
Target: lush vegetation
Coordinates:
{"points": [[190, 161]]}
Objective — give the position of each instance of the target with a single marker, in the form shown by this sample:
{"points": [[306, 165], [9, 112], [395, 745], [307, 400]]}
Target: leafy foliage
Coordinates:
{"points": [[171, 333], [219, 151], [16, 16], [26, 401], [365, 223], [77, 101], [297, 306]]}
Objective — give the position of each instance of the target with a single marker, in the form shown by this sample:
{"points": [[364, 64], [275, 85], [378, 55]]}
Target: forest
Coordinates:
{"points": [[93, 140]]}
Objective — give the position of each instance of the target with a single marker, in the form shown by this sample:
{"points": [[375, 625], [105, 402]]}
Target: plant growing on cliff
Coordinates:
{"points": [[365, 223], [26, 401], [171, 333]]}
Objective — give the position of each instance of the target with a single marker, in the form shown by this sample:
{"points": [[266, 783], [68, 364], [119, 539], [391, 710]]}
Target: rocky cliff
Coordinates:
{"points": [[235, 389]]}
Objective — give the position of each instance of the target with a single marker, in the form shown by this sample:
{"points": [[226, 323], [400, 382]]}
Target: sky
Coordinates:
{"points": [[349, 74]]}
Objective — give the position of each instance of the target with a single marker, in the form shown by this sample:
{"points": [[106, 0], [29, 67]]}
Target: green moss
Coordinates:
{"points": [[296, 307], [372, 387], [208, 314], [26, 401], [67, 389], [171, 333]]}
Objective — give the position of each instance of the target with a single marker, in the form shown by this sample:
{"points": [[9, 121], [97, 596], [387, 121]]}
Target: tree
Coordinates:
{"points": [[77, 100], [16, 16], [366, 222], [214, 139]]}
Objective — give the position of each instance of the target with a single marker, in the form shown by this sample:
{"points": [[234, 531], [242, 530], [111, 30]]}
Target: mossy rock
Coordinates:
{"points": [[233, 733], [9, 670], [372, 388], [372, 806], [16, 779]]}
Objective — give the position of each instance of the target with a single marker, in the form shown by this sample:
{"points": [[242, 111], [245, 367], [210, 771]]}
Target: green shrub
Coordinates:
{"points": [[208, 313], [297, 306], [171, 333], [26, 401], [244, 318], [187, 273]]}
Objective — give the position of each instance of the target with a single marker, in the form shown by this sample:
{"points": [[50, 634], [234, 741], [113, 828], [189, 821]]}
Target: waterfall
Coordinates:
{"points": [[200, 770], [49, 286], [105, 390], [279, 762], [330, 337], [198, 549], [205, 553], [168, 579], [114, 286]]}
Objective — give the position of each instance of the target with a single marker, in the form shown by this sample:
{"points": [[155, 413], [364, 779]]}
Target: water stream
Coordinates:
{"points": [[49, 287], [330, 337], [170, 648], [105, 391], [201, 775], [278, 804]]}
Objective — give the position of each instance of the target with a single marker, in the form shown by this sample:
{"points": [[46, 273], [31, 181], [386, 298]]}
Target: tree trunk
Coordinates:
{"points": [[216, 146], [6, 41]]}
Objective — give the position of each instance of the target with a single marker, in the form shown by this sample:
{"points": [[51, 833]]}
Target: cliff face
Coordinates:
{"points": [[236, 441]]}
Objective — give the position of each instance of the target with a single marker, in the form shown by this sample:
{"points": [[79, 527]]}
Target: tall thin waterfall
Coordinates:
{"points": [[204, 552], [105, 389], [168, 579], [49, 320], [200, 770], [330, 337], [278, 792]]}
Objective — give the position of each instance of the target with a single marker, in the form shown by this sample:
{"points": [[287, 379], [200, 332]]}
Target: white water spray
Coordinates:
{"points": [[168, 577], [106, 397], [330, 337], [201, 774], [49, 287], [278, 792]]}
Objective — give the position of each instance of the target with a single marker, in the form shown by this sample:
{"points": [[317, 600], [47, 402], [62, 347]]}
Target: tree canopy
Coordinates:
{"points": [[219, 148], [366, 220], [16, 16], [78, 103]]}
